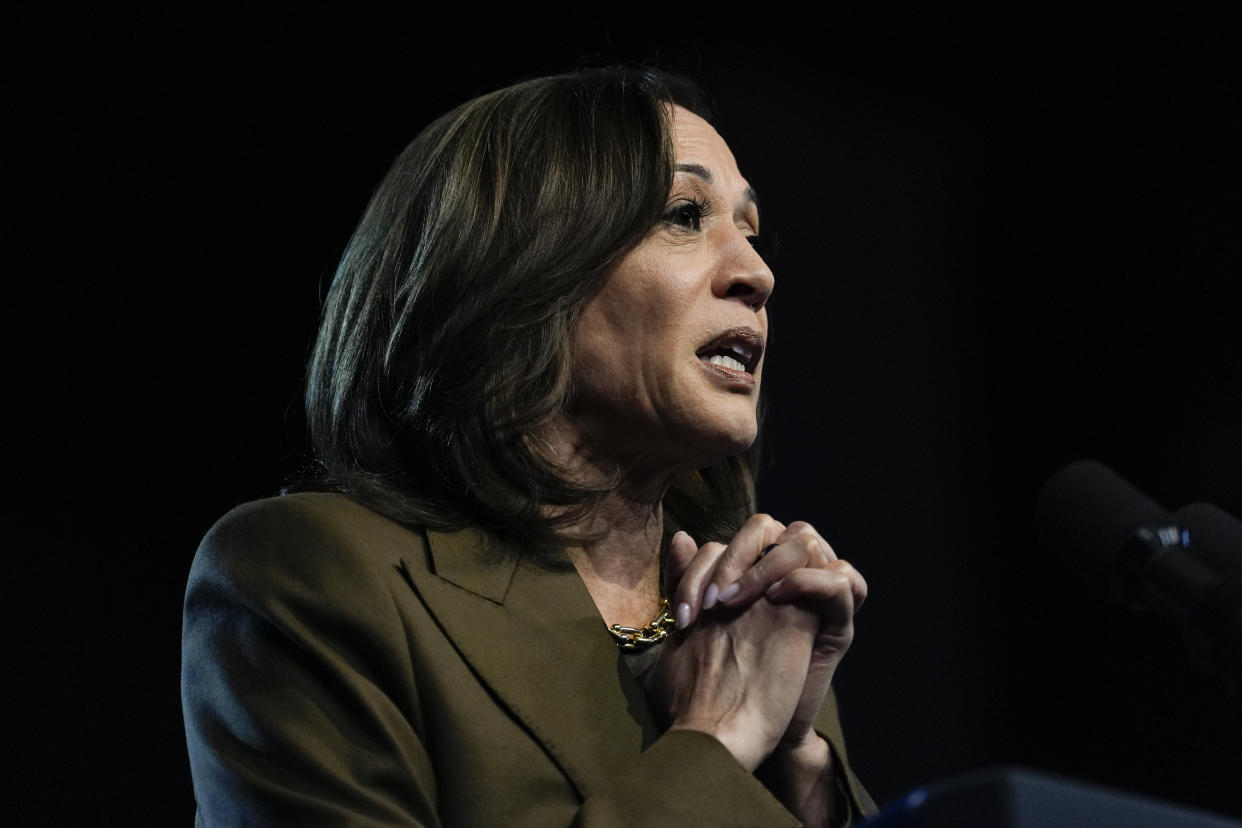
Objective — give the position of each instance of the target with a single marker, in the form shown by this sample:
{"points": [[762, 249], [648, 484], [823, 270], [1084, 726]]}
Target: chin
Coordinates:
{"points": [[724, 443]]}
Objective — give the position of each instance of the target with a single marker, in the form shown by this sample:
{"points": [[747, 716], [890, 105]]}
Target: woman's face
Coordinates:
{"points": [[668, 355]]}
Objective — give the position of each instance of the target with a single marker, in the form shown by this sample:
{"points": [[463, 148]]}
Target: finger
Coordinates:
{"points": [[691, 588], [799, 545], [746, 547], [838, 590], [801, 527], [803, 550], [681, 552]]}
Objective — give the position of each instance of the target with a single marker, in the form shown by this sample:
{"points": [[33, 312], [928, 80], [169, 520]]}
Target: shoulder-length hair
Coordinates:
{"points": [[445, 339]]}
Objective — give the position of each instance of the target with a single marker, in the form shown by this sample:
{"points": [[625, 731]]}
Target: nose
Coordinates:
{"points": [[742, 273]]}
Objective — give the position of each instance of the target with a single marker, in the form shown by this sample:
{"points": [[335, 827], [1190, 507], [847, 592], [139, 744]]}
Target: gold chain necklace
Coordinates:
{"points": [[634, 639]]}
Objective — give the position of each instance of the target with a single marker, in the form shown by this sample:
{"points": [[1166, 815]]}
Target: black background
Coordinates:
{"points": [[1008, 239]]}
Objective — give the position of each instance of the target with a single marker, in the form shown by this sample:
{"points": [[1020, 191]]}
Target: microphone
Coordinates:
{"points": [[1217, 534], [1187, 567]]}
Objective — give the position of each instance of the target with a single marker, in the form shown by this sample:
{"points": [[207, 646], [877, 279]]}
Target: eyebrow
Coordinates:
{"points": [[748, 195]]}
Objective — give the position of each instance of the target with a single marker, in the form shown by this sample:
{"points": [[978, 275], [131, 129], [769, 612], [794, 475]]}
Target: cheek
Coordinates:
{"points": [[591, 354], [642, 320]]}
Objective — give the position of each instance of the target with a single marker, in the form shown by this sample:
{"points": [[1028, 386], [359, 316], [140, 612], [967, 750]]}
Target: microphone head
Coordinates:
{"points": [[1089, 510]]}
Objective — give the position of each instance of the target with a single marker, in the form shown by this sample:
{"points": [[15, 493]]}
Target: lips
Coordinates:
{"points": [[737, 349]]}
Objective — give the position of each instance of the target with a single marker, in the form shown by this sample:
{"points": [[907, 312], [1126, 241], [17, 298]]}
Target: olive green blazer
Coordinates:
{"points": [[338, 668]]}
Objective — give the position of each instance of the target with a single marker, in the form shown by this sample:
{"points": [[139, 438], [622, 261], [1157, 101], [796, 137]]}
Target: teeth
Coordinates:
{"points": [[726, 362], [738, 349]]}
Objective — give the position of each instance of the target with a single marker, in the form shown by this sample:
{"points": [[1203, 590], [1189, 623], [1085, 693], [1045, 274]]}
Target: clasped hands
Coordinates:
{"points": [[759, 636]]}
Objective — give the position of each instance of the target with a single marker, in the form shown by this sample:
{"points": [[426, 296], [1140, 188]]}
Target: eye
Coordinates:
{"points": [[687, 215]]}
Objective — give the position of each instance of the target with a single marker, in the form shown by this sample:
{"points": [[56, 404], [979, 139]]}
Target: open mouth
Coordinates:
{"points": [[737, 349]]}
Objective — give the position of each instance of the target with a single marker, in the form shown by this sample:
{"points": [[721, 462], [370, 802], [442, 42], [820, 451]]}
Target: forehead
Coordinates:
{"points": [[695, 141]]}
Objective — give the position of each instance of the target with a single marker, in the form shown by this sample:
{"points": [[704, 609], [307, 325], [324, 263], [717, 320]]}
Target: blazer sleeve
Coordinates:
{"points": [[850, 791], [291, 689]]}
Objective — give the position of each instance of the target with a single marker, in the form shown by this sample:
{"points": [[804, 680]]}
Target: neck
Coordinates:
{"points": [[621, 568]]}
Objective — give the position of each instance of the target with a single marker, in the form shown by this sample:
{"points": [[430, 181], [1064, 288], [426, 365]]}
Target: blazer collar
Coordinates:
{"points": [[536, 639]]}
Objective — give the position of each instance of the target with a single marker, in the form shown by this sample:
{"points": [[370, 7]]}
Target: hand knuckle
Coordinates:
{"points": [[811, 546], [763, 519]]}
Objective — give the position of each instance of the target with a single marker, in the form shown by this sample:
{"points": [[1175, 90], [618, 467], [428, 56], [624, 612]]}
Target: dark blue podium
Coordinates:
{"points": [[1022, 798]]}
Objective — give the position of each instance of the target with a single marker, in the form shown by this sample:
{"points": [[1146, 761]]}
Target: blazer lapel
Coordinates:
{"points": [[535, 637]]}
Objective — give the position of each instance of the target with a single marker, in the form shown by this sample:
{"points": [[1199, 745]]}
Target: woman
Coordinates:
{"points": [[532, 397]]}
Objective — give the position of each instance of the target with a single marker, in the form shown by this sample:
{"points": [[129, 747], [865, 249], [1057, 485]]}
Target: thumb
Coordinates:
{"points": [[681, 551]]}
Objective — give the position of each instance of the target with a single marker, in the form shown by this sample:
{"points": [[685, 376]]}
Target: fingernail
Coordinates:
{"points": [[729, 591], [683, 615], [775, 588], [709, 597]]}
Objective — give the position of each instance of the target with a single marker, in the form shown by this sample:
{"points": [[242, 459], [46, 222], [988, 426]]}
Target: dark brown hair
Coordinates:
{"points": [[444, 342]]}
